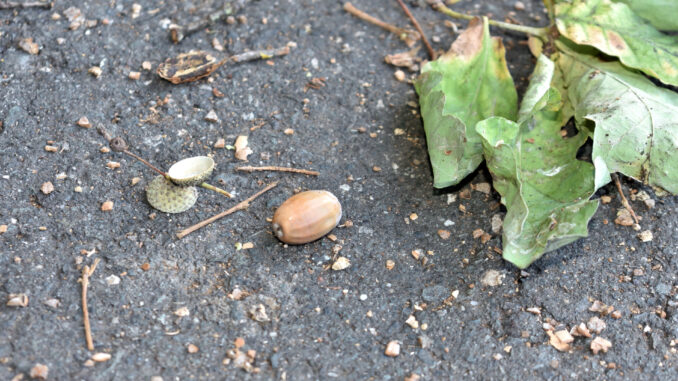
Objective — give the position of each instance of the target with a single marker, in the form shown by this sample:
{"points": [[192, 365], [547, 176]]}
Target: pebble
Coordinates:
{"points": [[519, 6], [392, 349], [47, 187], [39, 371], [112, 280], [412, 322], [107, 206], [341, 263], [492, 278], [134, 75], [221, 143], [101, 357], [600, 344], [444, 234], [596, 324], [192, 348], [212, 117], [389, 263], [645, 236], [363, 297], [399, 75], [83, 121]]}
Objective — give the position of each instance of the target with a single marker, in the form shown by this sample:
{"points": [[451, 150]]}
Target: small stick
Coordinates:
{"points": [[216, 189], [260, 54], [87, 272], [431, 52], [278, 169], [178, 32], [407, 35], [624, 201], [28, 4], [240, 206]]}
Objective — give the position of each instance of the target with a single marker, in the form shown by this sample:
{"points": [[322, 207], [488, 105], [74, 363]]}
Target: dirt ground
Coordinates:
{"points": [[169, 308]]}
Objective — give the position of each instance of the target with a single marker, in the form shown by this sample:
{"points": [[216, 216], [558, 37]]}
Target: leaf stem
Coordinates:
{"points": [[87, 272], [240, 206], [216, 189], [537, 32], [431, 52]]}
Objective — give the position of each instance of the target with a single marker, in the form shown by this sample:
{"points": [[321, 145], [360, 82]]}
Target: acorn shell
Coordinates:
{"points": [[191, 171], [163, 195], [306, 217]]}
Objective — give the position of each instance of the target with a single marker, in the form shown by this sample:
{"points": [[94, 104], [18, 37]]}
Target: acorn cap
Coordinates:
{"points": [[191, 171], [163, 195]]}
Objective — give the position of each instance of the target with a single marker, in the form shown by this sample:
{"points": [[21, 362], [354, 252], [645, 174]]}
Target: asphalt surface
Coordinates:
{"points": [[302, 319]]}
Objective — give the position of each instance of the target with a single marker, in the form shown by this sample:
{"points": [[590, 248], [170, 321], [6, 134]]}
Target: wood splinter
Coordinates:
{"points": [[240, 206], [87, 272], [278, 169]]}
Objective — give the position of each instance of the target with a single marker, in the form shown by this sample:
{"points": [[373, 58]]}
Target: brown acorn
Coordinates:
{"points": [[306, 217]]}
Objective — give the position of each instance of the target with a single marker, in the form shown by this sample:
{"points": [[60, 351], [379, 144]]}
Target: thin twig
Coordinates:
{"points": [[624, 201], [87, 272], [431, 52], [27, 4], [151, 166], [240, 206], [178, 32], [260, 54], [537, 32], [278, 169], [407, 35]]}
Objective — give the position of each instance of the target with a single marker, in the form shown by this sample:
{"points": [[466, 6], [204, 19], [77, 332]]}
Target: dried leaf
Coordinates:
{"points": [[188, 67]]}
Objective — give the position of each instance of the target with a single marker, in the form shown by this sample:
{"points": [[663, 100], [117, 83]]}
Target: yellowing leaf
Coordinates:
{"points": [[615, 30], [545, 188], [632, 122], [467, 84]]}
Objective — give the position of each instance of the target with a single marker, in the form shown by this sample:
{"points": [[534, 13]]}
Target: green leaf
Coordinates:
{"points": [[545, 188], [663, 14], [615, 30], [632, 122], [467, 84]]}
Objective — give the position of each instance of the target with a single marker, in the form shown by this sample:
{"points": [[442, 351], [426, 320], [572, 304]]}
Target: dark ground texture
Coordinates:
{"points": [[320, 321]]}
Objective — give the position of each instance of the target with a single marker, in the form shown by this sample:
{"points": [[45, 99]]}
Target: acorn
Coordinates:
{"points": [[306, 217], [191, 171], [163, 195]]}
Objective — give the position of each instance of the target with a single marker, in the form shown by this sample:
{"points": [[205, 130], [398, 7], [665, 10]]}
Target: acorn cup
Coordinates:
{"points": [[191, 171], [167, 197]]}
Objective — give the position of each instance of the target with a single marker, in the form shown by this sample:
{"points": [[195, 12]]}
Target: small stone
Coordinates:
{"points": [[444, 234], [288, 131], [39, 371], [412, 322], [212, 117], [242, 149], [560, 340], [134, 75], [580, 330], [392, 349], [221, 143], [101, 357], [84, 122], [497, 223], [77, 189], [145, 266], [136, 10], [389, 263], [95, 71], [596, 324], [624, 218], [239, 342], [492, 278], [398, 132], [52, 303], [649, 203], [112, 280], [146, 65], [497, 356], [182, 312], [135, 180], [107, 206], [534, 310], [47, 187], [605, 199], [485, 188], [341, 263], [616, 315], [28, 46], [3, 229], [192, 348], [376, 169], [49, 148], [399, 75], [258, 313], [645, 236], [413, 216], [519, 6], [600, 344], [113, 165], [216, 44]]}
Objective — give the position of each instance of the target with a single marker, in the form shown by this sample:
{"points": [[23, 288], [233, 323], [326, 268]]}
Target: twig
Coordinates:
{"points": [[278, 169], [407, 35], [624, 201], [431, 52], [87, 272], [27, 4], [216, 189], [151, 166], [260, 54], [178, 32], [240, 206], [537, 32]]}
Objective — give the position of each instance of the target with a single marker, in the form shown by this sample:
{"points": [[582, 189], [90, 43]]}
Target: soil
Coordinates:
{"points": [[302, 319]]}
